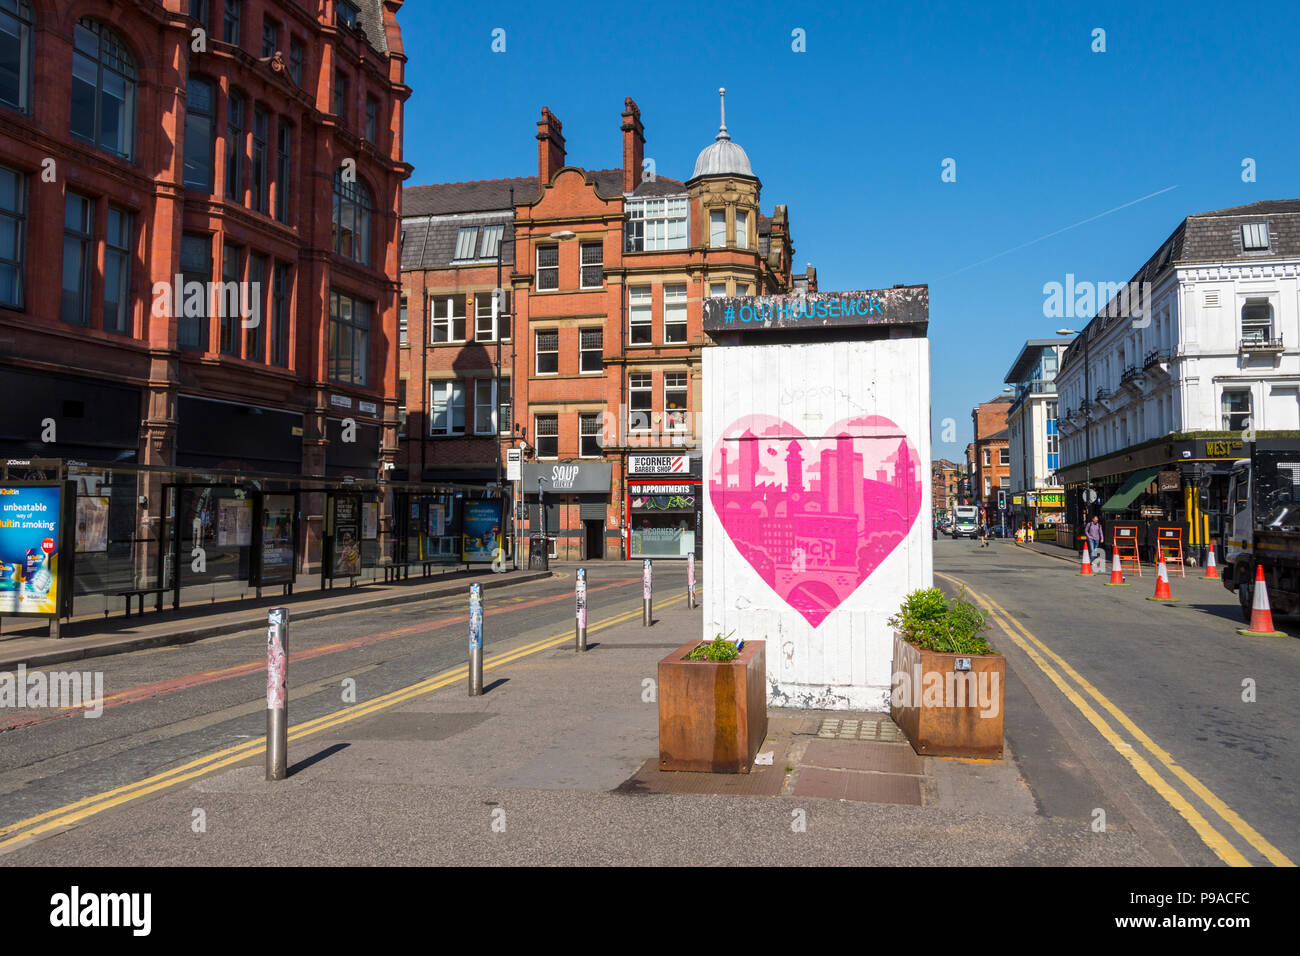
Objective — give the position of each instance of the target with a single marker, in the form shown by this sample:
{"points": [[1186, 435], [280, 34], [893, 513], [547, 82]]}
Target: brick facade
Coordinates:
{"points": [[142, 186]]}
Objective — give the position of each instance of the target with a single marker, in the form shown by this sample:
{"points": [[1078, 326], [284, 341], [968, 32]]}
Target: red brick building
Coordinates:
{"points": [[605, 272], [992, 454], [149, 148]]}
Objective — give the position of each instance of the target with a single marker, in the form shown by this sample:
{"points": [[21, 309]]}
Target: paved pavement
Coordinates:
{"points": [[535, 771], [550, 765]]}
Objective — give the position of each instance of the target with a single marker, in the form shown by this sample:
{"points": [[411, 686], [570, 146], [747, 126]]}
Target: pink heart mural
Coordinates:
{"points": [[815, 516]]}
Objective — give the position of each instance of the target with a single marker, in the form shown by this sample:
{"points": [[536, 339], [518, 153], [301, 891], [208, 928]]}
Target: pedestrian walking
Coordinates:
{"points": [[984, 535], [1096, 536]]}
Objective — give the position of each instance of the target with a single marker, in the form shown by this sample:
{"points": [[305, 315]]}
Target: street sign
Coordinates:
{"points": [[514, 462]]}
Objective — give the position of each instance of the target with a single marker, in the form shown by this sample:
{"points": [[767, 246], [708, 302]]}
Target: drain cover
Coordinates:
{"points": [[882, 729]]}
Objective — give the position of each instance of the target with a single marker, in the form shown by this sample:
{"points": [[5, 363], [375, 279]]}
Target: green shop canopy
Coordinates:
{"points": [[1130, 489]]}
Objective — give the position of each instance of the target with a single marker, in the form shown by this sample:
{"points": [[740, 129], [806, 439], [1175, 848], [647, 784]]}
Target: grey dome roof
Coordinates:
{"points": [[722, 157]]}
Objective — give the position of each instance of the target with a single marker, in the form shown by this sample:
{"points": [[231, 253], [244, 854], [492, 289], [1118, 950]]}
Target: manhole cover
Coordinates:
{"points": [[882, 729]]}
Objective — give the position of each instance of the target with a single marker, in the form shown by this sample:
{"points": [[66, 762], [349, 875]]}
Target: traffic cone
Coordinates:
{"points": [[1162, 583], [1261, 615], [1085, 567], [1211, 568], [1116, 575]]}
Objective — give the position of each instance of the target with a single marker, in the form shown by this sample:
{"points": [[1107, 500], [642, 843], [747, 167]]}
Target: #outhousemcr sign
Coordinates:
{"points": [[901, 306]]}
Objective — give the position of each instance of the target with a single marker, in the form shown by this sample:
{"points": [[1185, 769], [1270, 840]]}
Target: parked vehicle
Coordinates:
{"points": [[1261, 526]]}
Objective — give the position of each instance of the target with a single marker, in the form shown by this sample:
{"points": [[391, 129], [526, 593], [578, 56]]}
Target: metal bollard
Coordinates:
{"points": [[690, 580], [277, 694], [647, 594], [580, 628], [475, 640]]}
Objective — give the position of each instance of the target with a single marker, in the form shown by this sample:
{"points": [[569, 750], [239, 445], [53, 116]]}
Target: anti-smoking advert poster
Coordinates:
{"points": [[30, 530]]}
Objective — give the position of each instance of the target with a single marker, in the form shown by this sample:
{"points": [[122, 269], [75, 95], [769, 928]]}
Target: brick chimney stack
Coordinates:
{"points": [[550, 146], [633, 145]]}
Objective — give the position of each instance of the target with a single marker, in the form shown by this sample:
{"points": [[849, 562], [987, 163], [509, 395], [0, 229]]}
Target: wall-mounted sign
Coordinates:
{"points": [[367, 408], [658, 464], [567, 478], [902, 305], [1169, 481], [1223, 448], [342, 401]]}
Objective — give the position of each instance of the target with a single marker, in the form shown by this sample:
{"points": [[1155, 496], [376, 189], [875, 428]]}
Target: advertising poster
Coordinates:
{"points": [[482, 534], [92, 525], [370, 520], [437, 520], [277, 539], [234, 523], [29, 549], [347, 538]]}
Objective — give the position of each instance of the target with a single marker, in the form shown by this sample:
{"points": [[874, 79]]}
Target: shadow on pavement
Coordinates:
{"points": [[317, 757]]}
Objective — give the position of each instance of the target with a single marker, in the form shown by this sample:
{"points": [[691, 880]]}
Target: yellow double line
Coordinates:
{"points": [[74, 813], [1041, 655]]}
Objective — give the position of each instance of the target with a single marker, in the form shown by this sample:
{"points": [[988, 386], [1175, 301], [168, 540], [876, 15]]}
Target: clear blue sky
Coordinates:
{"points": [[851, 134]]}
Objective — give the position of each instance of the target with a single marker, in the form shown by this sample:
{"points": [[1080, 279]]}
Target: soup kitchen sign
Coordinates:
{"points": [[901, 305], [567, 478]]}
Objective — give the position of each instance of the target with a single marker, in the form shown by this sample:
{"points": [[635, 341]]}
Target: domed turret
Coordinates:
{"points": [[722, 157]]}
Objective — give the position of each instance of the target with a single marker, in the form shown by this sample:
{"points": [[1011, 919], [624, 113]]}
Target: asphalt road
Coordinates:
{"points": [[1179, 672], [166, 706]]}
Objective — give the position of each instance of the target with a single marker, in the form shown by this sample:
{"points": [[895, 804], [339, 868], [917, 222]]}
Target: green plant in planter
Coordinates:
{"points": [[719, 651], [927, 620]]}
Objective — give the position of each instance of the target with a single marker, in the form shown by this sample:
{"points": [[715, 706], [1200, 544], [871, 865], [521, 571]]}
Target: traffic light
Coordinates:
{"points": [[1002, 500]]}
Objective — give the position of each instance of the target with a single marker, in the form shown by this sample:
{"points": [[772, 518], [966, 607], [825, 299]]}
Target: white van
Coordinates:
{"points": [[965, 522]]}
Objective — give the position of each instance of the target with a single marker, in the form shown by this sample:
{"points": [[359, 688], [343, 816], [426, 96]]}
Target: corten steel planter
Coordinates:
{"points": [[712, 716], [942, 728]]}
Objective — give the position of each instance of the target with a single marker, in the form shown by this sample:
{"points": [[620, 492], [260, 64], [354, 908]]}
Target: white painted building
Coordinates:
{"points": [[1216, 353], [1033, 439]]}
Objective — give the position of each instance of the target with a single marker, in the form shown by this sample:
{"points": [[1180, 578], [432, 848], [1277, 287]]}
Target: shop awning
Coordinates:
{"points": [[1135, 485]]}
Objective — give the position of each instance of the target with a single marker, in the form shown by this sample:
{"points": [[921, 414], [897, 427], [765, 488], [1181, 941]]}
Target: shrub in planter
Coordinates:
{"points": [[948, 684], [712, 706]]}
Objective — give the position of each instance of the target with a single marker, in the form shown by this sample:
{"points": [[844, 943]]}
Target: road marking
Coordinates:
{"points": [[1209, 835], [187, 681], [79, 810]]}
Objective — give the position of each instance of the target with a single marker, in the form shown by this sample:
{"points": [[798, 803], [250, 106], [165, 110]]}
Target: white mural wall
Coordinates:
{"points": [[817, 505]]}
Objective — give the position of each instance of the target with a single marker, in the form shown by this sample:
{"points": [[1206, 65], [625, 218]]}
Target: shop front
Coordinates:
{"points": [[664, 513], [1157, 486], [567, 504]]}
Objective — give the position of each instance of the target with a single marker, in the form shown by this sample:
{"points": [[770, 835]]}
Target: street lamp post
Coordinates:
{"points": [[1087, 418]]}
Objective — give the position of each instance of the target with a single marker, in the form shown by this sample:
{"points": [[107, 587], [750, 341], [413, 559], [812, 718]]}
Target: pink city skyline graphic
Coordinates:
{"points": [[815, 516]]}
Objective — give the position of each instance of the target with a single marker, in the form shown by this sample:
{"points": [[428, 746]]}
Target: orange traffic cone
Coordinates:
{"points": [[1162, 583], [1116, 575], [1261, 615], [1085, 566], [1211, 568]]}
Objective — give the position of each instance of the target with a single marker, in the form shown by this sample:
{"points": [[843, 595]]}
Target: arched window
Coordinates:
{"points": [[15, 54], [103, 89], [352, 208], [200, 132]]}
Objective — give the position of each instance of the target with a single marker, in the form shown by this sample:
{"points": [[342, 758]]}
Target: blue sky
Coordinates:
{"points": [[851, 134]]}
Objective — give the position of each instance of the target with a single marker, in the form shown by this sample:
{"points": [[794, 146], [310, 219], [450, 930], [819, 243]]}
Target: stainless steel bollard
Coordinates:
{"points": [[580, 628], [277, 694], [690, 581], [475, 640], [647, 594]]}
